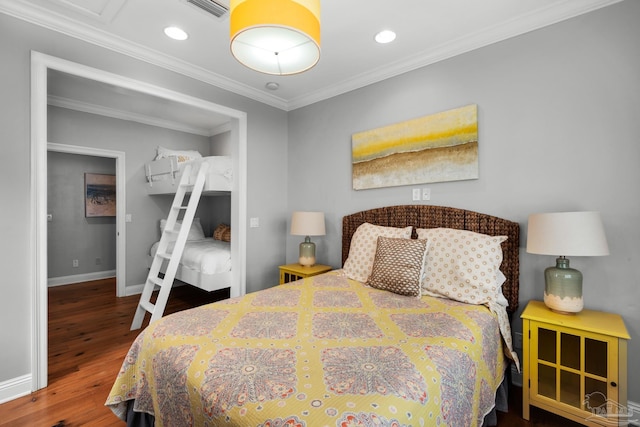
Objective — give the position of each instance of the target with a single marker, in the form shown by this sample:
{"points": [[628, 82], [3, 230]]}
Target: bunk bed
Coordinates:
{"points": [[205, 261], [164, 173]]}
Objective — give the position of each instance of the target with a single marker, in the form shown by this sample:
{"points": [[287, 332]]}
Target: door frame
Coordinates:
{"points": [[40, 64], [121, 229]]}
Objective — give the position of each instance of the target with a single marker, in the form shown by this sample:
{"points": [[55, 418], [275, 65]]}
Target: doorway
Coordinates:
{"points": [[41, 64]]}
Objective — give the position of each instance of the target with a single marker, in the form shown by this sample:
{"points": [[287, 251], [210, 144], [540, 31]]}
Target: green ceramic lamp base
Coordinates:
{"points": [[563, 288]]}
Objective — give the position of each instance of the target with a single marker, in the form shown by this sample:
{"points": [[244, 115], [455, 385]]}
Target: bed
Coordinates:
{"points": [[164, 173], [206, 261], [332, 350]]}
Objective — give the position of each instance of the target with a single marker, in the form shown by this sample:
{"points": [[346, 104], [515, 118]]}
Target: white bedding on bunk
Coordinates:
{"points": [[208, 256]]}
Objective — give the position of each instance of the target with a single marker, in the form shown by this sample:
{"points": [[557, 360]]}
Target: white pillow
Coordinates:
{"points": [[181, 155], [195, 232], [362, 250], [463, 265]]}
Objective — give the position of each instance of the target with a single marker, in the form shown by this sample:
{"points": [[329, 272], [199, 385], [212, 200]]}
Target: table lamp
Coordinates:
{"points": [[565, 234], [307, 224]]}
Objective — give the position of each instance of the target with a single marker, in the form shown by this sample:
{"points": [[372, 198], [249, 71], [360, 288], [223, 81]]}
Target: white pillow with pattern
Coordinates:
{"points": [[463, 265], [362, 250]]}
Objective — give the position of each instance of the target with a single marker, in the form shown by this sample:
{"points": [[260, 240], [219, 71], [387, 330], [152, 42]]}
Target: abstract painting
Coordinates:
{"points": [[99, 195], [436, 148]]}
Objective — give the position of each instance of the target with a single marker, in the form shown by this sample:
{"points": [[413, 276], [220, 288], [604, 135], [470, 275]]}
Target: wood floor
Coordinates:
{"points": [[88, 339]]}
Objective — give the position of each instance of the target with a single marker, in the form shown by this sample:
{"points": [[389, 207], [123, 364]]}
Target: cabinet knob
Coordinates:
{"points": [[613, 384]]}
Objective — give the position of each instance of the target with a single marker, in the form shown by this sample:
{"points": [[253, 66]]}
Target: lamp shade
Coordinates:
{"points": [[278, 37], [307, 224], [562, 234], [567, 234]]}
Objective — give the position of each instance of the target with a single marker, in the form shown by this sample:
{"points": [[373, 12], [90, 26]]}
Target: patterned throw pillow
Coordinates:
{"points": [[363, 248], [398, 265], [462, 265], [222, 232]]}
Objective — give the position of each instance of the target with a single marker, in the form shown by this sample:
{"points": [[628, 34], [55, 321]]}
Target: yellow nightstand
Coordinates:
{"points": [[575, 365], [292, 272]]}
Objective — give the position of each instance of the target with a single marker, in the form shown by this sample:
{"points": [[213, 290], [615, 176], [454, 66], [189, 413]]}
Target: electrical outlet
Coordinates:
{"points": [[426, 194], [415, 194], [76, 263], [98, 261], [517, 340]]}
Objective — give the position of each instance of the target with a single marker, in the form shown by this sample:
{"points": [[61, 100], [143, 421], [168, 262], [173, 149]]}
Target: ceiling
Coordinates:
{"points": [[428, 31]]}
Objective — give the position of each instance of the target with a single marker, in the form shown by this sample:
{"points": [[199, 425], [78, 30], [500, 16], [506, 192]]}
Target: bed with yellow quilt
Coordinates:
{"points": [[422, 340]]}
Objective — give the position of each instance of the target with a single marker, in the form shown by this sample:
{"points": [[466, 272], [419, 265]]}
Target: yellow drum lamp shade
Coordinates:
{"points": [[279, 37]]}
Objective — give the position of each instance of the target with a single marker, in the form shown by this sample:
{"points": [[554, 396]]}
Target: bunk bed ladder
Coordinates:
{"points": [[172, 231]]}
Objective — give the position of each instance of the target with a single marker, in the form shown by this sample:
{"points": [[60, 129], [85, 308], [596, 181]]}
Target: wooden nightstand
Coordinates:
{"points": [[293, 272], [575, 365]]}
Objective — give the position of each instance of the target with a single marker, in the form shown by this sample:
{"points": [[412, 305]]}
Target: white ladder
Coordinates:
{"points": [[172, 230]]}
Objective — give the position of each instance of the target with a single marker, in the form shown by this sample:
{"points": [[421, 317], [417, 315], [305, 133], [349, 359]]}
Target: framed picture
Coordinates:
{"points": [[436, 148], [99, 195]]}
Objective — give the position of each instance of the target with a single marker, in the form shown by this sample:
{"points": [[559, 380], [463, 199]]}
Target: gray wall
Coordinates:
{"points": [[70, 234], [267, 175], [559, 124], [139, 143]]}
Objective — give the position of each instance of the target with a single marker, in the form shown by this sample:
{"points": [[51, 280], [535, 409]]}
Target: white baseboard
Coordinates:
{"points": [[634, 408], [78, 278], [14, 388], [133, 290]]}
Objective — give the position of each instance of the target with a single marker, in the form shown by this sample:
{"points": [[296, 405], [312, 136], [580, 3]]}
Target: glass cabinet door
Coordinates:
{"points": [[572, 369]]}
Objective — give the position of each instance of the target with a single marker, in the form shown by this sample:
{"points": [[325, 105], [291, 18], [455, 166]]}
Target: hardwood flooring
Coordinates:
{"points": [[88, 339]]}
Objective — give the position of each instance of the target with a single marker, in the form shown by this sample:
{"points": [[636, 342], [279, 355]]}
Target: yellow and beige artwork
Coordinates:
{"points": [[435, 148]]}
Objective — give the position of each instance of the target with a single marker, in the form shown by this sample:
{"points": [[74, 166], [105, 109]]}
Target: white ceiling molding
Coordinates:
{"points": [[100, 10], [100, 110], [560, 10]]}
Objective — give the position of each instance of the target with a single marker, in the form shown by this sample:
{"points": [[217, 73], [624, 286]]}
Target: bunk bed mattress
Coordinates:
{"points": [[206, 256], [322, 351]]}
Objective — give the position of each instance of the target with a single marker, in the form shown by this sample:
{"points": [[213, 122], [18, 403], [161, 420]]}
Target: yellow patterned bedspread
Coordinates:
{"points": [[322, 351]]}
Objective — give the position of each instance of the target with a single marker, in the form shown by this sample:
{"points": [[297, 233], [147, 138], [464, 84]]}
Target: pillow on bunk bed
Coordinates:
{"points": [[195, 232], [222, 232], [181, 155]]}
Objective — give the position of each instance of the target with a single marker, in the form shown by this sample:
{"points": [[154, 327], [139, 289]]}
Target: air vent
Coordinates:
{"points": [[212, 7]]}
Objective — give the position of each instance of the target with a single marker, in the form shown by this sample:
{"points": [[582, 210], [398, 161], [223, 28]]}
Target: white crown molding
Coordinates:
{"points": [[114, 113], [62, 24], [558, 11]]}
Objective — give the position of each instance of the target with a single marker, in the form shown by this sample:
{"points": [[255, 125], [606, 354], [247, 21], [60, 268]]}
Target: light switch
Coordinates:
{"points": [[49, 217], [254, 222], [416, 194], [127, 218]]}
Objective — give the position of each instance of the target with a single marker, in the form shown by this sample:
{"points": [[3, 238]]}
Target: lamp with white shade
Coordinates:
{"points": [[565, 234], [307, 224]]}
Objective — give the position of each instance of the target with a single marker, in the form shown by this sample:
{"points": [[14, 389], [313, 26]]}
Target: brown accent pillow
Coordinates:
{"points": [[222, 232], [398, 265]]}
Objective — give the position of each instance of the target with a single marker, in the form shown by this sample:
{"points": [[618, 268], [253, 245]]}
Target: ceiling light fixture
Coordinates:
{"points": [[176, 33], [279, 37], [385, 36]]}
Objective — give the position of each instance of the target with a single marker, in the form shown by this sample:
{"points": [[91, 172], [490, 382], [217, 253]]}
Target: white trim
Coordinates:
{"points": [[559, 11], [121, 203], [40, 64], [119, 114], [15, 388], [79, 278], [633, 408]]}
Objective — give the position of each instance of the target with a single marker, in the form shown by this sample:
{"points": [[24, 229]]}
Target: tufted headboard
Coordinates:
{"points": [[426, 216]]}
